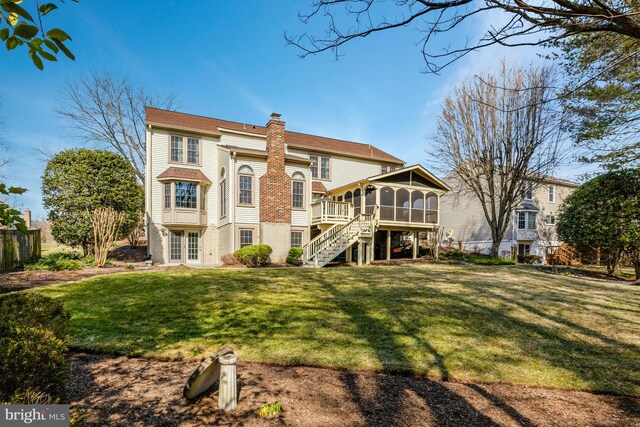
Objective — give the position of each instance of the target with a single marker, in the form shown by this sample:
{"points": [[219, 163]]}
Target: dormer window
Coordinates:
{"points": [[181, 145]]}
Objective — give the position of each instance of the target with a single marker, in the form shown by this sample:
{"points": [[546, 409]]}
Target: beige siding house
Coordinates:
{"points": [[213, 186], [531, 227]]}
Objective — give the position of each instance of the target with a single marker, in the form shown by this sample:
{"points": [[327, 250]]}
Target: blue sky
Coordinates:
{"points": [[228, 59]]}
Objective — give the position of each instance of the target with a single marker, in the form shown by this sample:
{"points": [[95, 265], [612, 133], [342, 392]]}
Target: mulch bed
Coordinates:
{"points": [[109, 390]]}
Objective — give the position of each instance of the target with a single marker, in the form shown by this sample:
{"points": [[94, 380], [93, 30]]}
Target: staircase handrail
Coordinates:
{"points": [[313, 242], [329, 236]]}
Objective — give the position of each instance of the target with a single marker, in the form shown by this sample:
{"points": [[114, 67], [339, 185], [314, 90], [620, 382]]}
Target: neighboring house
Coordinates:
{"points": [[213, 186], [531, 227]]}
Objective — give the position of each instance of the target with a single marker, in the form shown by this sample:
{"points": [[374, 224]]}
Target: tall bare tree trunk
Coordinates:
{"points": [[495, 135], [106, 222]]}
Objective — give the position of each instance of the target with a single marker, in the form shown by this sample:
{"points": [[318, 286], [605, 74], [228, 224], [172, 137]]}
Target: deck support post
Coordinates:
{"points": [[388, 245], [349, 253], [359, 253], [415, 244], [369, 252]]}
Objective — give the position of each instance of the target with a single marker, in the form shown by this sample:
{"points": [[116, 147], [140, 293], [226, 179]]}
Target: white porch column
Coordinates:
{"points": [[359, 253], [388, 245], [415, 244]]}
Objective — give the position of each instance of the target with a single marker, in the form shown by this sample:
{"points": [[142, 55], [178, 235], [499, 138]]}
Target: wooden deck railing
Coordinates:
{"points": [[330, 212]]}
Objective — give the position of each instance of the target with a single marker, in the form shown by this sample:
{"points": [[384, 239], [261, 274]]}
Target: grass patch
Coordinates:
{"points": [[487, 260], [469, 323]]}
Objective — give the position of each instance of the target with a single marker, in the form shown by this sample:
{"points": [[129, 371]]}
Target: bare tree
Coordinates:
{"points": [[529, 22], [106, 223], [496, 140], [110, 112]]}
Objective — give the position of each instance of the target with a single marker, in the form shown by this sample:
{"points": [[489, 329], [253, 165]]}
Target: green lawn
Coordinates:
{"points": [[468, 323]]}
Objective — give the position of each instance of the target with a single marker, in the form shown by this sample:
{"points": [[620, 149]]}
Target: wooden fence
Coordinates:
{"points": [[17, 249]]}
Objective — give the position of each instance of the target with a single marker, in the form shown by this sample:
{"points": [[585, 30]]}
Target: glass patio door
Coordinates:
{"points": [[193, 238], [184, 246], [176, 246]]}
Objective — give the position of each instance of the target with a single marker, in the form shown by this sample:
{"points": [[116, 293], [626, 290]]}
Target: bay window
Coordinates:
{"points": [[167, 195], [185, 195], [527, 220]]}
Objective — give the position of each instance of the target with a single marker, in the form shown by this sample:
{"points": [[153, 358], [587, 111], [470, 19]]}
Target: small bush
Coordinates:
{"points": [[254, 255], [129, 266], [229, 260], [487, 260], [294, 256], [57, 261], [529, 259], [428, 251], [33, 334], [454, 254]]}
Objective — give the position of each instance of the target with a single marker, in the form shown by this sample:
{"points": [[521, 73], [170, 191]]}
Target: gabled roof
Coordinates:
{"points": [[381, 177], [184, 173], [318, 187], [216, 127], [415, 168]]}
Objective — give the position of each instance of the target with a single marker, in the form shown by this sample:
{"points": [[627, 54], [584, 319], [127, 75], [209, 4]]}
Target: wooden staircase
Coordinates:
{"points": [[336, 239], [564, 255]]}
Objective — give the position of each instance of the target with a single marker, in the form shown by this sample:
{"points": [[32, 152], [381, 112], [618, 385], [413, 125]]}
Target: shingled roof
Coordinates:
{"points": [[211, 125], [318, 187], [184, 173]]}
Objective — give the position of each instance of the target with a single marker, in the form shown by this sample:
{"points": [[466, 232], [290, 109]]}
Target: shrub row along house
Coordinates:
{"points": [[214, 186]]}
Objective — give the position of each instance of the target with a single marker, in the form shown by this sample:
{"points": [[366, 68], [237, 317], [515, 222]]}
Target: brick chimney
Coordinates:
{"points": [[275, 185], [275, 143], [27, 218]]}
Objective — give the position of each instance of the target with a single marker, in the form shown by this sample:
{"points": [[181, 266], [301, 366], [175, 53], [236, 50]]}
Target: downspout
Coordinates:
{"points": [[148, 174], [232, 185]]}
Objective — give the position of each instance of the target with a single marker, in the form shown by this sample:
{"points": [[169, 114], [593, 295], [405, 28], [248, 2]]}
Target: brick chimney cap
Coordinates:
{"points": [[275, 116]]}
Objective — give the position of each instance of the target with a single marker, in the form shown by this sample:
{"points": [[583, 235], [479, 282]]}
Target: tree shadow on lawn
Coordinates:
{"points": [[586, 360], [174, 315], [386, 405]]}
